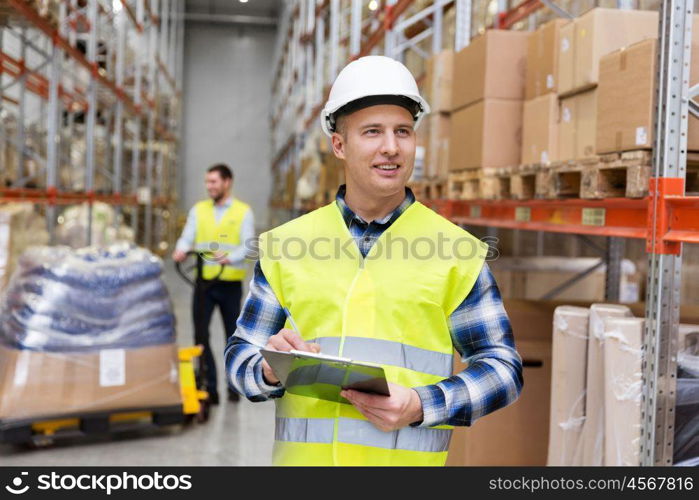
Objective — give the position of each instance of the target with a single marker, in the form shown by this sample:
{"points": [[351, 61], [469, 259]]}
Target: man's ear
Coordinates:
{"points": [[338, 143]]}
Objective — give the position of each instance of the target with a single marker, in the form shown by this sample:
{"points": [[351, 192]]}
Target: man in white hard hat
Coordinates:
{"points": [[380, 278]]}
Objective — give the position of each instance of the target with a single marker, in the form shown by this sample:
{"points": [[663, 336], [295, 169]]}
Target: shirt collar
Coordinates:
{"points": [[226, 203], [348, 214]]}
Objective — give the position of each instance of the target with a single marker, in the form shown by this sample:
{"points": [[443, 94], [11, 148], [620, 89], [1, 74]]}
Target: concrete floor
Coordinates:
{"points": [[236, 433]]}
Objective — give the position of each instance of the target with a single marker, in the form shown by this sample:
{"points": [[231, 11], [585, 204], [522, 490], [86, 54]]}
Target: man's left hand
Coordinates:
{"points": [[221, 258], [388, 413]]}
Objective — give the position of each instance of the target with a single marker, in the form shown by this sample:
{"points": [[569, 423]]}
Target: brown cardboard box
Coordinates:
{"points": [[486, 134], [566, 58], [47, 384], [595, 34], [517, 434], [540, 130], [542, 59], [439, 71], [593, 437], [623, 342], [492, 66], [569, 363], [577, 132], [626, 99], [437, 148]]}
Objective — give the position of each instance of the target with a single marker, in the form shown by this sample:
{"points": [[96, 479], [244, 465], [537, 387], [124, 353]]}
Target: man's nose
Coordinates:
{"points": [[389, 146]]}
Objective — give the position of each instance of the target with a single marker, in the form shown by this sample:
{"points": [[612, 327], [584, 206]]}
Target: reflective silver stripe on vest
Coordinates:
{"points": [[215, 246], [389, 353], [362, 432], [304, 430]]}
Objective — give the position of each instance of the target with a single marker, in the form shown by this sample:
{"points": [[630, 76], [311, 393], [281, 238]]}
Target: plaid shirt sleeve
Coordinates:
{"points": [[261, 317], [482, 334]]}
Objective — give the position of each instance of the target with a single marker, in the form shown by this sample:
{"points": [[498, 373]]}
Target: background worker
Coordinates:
{"points": [[221, 228], [402, 311]]}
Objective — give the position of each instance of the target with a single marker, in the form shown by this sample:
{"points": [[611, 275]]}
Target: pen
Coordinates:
{"points": [[291, 320]]}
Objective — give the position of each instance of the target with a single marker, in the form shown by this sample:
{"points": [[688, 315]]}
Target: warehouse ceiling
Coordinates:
{"points": [[254, 8]]}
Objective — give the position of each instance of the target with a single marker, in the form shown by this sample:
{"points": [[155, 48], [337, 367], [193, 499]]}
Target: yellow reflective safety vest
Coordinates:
{"points": [[390, 308], [222, 236]]}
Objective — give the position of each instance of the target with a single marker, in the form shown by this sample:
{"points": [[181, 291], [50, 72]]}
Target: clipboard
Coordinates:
{"points": [[323, 377]]}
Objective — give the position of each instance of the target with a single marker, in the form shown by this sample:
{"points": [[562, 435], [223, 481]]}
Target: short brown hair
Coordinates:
{"points": [[223, 170]]}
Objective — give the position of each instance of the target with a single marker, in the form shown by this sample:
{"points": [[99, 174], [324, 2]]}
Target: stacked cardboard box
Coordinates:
{"points": [[540, 120], [626, 101], [50, 384], [583, 43], [437, 90], [486, 105]]}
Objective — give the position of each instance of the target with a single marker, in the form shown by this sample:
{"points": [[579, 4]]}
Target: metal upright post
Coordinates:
{"points": [[52, 133], [665, 260], [320, 59], [152, 84], [356, 28], [437, 25], [334, 38], [463, 24], [136, 143], [90, 126], [120, 20], [390, 35], [21, 111]]}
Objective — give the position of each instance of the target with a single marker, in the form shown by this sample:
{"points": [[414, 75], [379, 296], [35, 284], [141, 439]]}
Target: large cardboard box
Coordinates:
{"points": [[626, 99], [486, 134], [439, 71], [568, 380], [50, 384], [595, 34], [540, 130], [623, 344], [577, 132], [492, 66], [437, 145], [542, 59], [517, 434], [593, 435]]}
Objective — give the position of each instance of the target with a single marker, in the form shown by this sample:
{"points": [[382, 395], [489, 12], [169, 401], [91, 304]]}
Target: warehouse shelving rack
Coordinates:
{"points": [[666, 219], [114, 64]]}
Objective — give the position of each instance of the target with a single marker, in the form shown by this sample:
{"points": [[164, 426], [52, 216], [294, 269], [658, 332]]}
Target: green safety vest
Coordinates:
{"points": [[391, 308], [222, 236]]}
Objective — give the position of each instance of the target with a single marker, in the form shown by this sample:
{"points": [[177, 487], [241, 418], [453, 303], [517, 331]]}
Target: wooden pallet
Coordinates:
{"points": [[496, 183], [464, 184], [429, 189]]}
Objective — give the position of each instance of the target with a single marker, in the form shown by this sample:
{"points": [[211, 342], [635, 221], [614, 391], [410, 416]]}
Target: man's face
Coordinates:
{"points": [[378, 146], [216, 186]]}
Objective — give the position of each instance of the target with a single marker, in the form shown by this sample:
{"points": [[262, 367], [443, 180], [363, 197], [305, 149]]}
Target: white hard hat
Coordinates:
{"points": [[373, 76]]}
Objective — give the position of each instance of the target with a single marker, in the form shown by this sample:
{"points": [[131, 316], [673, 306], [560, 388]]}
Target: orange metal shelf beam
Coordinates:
{"points": [[622, 217], [506, 20], [56, 197]]}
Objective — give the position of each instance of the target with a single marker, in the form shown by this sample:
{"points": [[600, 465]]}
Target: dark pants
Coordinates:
{"points": [[207, 295]]}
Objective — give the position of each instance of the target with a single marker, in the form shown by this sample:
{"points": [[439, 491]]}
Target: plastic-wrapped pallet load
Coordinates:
{"points": [[686, 446], [569, 362], [623, 344], [20, 227], [593, 430], [86, 331]]}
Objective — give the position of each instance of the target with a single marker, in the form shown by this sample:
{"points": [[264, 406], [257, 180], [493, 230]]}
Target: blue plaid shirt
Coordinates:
{"points": [[480, 331]]}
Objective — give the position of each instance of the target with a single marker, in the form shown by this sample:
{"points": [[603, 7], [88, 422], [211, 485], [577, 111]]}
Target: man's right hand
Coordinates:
{"points": [[285, 341], [179, 255]]}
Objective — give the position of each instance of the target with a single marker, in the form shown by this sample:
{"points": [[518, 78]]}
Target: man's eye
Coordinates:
{"points": [[403, 131], [372, 131]]}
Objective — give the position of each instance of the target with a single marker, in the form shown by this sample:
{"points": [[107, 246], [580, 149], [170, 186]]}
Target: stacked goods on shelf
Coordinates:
{"points": [[540, 118], [437, 91], [625, 110], [486, 106], [86, 331], [106, 229], [583, 42], [20, 228], [686, 444], [8, 152]]}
